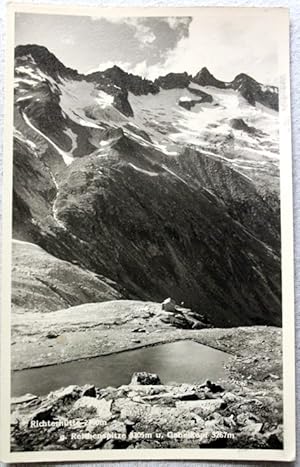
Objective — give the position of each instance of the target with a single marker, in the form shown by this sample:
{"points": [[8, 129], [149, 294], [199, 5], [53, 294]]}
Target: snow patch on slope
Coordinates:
{"points": [[31, 145], [67, 157], [147, 172]]}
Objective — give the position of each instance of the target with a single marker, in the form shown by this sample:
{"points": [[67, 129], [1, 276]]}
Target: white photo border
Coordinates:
{"points": [[286, 197]]}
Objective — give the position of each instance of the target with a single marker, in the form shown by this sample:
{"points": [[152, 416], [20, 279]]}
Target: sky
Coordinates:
{"points": [[152, 46]]}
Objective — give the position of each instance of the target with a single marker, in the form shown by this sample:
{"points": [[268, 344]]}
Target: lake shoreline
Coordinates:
{"points": [[249, 407], [95, 330], [127, 349], [170, 360]]}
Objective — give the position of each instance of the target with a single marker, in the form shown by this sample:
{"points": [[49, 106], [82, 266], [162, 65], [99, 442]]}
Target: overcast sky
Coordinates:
{"points": [[153, 46]]}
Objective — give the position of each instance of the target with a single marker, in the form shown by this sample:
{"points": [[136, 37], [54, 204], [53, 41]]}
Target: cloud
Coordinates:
{"points": [[140, 69], [144, 34], [244, 44], [141, 31], [68, 40], [176, 22], [227, 47]]}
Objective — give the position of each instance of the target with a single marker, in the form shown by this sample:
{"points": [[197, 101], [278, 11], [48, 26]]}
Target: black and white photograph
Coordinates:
{"points": [[147, 253]]}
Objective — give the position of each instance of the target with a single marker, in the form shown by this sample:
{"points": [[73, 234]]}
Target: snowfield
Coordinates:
{"points": [[79, 98], [206, 127]]}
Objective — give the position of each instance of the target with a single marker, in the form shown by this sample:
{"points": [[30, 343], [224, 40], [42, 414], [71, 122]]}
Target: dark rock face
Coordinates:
{"points": [[196, 240], [254, 92], [121, 102], [205, 97], [189, 104], [248, 87], [173, 80], [211, 247], [131, 82], [30, 200], [240, 124], [88, 390], [47, 62], [138, 131], [188, 226], [242, 200], [118, 83], [205, 78]]}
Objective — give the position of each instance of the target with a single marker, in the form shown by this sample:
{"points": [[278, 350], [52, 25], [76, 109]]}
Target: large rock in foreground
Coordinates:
{"points": [[149, 415]]}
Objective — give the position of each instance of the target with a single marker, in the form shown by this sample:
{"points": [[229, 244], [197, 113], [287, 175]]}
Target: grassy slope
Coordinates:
{"points": [[43, 283]]}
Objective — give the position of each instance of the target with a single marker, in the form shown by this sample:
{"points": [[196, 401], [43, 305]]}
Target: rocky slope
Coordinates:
{"points": [[147, 416], [155, 186], [43, 283], [242, 411]]}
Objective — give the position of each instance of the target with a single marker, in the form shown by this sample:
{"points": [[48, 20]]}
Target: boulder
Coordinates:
{"points": [[231, 398], [132, 411], [52, 334], [71, 392], [246, 418], [42, 414], [23, 399], [102, 407], [117, 427], [252, 429], [214, 388], [275, 441], [202, 407], [179, 321], [168, 305], [89, 390], [145, 378], [188, 396]]}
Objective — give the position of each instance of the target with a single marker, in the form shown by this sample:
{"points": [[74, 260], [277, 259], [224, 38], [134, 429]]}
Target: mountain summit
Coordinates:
{"points": [[44, 59], [205, 78], [254, 92]]}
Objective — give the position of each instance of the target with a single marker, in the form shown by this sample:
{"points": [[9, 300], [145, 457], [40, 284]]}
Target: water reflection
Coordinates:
{"points": [[182, 361]]}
